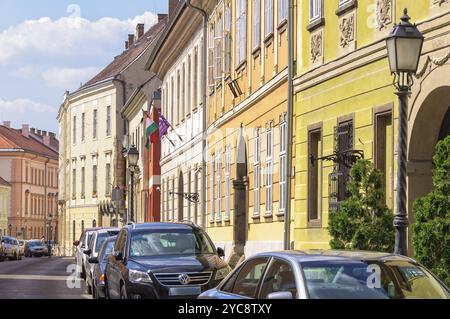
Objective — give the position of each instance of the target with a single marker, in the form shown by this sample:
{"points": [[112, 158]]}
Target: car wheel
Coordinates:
{"points": [[15, 257], [123, 292]]}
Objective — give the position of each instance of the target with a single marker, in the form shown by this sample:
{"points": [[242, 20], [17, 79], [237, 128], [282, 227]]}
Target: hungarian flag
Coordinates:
{"points": [[151, 131]]}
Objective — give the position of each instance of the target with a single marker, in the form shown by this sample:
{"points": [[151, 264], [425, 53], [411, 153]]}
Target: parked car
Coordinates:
{"points": [[163, 260], [98, 268], [80, 246], [2, 250], [329, 274], [22, 247], [35, 248], [11, 249], [96, 241]]}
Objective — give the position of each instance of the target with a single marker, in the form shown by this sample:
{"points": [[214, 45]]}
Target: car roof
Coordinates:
{"points": [[329, 254], [107, 230], [169, 226]]}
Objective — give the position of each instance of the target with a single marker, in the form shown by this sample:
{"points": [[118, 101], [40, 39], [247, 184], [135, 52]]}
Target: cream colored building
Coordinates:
{"points": [[5, 205]]}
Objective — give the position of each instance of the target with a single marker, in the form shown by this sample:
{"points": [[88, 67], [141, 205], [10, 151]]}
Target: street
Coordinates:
{"points": [[40, 278]]}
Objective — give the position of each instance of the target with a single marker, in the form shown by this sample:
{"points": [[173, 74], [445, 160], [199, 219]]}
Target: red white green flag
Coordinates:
{"points": [[151, 131]]}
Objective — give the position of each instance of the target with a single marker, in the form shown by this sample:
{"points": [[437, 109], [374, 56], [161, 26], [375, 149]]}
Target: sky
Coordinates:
{"points": [[50, 46]]}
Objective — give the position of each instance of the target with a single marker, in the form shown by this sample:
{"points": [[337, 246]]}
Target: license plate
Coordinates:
{"points": [[185, 291]]}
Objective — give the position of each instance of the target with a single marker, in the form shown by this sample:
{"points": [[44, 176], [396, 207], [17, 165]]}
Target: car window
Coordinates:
{"points": [[121, 242], [279, 277], [249, 276], [105, 250]]}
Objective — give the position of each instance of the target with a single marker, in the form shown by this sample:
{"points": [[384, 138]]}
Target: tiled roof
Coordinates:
{"points": [[3, 182], [128, 56], [13, 139]]}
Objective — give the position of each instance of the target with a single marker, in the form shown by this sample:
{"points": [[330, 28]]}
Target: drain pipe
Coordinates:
{"points": [[289, 115], [204, 55]]}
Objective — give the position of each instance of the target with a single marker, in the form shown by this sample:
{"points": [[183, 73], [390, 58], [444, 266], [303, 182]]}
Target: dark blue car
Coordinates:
{"points": [[99, 262], [329, 274]]}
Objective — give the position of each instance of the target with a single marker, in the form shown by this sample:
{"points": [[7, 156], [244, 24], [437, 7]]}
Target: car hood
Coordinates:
{"points": [[37, 248], [177, 263]]}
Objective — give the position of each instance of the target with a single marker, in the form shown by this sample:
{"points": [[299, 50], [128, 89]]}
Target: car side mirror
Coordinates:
{"points": [[118, 255], [220, 252], [280, 295], [76, 242], [87, 251], [93, 260]]}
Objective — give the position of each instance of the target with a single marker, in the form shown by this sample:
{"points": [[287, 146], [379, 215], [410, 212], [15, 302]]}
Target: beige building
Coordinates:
{"points": [[5, 205], [92, 139], [29, 163]]}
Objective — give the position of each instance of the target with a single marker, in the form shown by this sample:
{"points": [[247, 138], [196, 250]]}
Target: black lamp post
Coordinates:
{"points": [[10, 229], [133, 157], [49, 235], [404, 46]]}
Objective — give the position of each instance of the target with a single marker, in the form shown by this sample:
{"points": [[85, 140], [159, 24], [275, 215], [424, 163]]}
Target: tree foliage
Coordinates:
{"points": [[431, 230], [363, 221]]}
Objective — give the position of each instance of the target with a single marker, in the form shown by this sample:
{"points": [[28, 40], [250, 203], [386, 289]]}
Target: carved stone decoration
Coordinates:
{"points": [[316, 47], [347, 31], [439, 2], [384, 13], [430, 62]]}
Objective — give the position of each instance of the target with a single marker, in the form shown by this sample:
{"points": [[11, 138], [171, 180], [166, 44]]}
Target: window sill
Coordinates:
{"points": [[256, 52], [256, 216], [316, 223], [94, 196], [269, 39], [352, 4], [282, 26], [241, 66], [313, 25]]}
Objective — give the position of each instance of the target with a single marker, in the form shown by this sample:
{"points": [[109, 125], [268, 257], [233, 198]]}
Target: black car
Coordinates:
{"points": [[163, 260], [99, 265], [35, 248]]}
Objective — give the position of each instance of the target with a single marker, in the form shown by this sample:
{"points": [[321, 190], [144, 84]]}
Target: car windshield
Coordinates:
{"points": [[393, 279], [174, 242], [101, 237], [34, 243]]}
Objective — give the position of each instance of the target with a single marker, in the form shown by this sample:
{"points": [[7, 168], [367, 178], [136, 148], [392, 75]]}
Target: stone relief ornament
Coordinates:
{"points": [[316, 47], [430, 62], [384, 13], [439, 2], [347, 28]]}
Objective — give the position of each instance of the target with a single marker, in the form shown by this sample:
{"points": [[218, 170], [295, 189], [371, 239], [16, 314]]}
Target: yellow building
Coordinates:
{"points": [[246, 124], [5, 206], [344, 100]]}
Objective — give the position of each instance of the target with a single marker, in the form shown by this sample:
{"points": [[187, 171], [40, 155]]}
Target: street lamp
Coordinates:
{"points": [[49, 234], [133, 157], [10, 229], [404, 46]]}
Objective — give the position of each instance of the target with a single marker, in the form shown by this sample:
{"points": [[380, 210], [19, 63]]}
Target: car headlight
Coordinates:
{"points": [[222, 273], [139, 277]]}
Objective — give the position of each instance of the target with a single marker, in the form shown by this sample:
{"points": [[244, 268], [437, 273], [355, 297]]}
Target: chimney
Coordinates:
{"points": [[7, 124], [52, 135], [139, 31], [25, 130], [130, 40], [46, 140], [44, 133], [126, 45], [172, 5], [161, 16], [39, 132], [33, 130]]}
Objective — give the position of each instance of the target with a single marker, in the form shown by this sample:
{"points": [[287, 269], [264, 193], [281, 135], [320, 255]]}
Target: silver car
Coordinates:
{"points": [[10, 248]]}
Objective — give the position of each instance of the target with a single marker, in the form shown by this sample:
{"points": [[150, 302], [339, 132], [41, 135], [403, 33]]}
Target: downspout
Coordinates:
{"points": [[289, 115], [204, 55]]}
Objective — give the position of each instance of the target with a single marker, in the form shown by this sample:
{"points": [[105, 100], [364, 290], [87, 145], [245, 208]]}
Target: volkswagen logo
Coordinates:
{"points": [[184, 279]]}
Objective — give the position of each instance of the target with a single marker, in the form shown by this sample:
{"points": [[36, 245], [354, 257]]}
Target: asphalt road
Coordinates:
{"points": [[40, 278]]}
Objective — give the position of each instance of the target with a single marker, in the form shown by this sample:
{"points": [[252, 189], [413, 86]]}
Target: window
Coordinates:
{"points": [[172, 106], [179, 110], [189, 174], [74, 130], [94, 124], [94, 223], [256, 173], [269, 168], [256, 23], [241, 31], [82, 226], [108, 120], [183, 93], [249, 276], [314, 177], [74, 183], [211, 55], [218, 44], [94, 180], [269, 18], [227, 182], [83, 118], [227, 40], [74, 225], [196, 215], [342, 2], [219, 185], [195, 85], [344, 139], [108, 185], [189, 72], [211, 191], [172, 210], [279, 277], [282, 10], [384, 150], [283, 164], [82, 182], [315, 9]]}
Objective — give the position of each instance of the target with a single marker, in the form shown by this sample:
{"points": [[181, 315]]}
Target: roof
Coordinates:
{"points": [[13, 139], [121, 61], [3, 182]]}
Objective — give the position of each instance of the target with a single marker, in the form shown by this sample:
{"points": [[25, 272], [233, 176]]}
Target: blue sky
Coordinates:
{"points": [[48, 46]]}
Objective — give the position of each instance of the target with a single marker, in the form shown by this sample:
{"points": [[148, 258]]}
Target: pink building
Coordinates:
{"points": [[29, 163]]}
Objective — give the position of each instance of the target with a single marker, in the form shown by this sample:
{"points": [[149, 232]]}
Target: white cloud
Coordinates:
{"points": [[23, 105], [68, 78], [67, 36]]}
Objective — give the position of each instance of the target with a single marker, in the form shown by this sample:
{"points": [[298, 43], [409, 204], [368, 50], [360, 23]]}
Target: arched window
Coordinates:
{"points": [[74, 225], [82, 226], [94, 223]]}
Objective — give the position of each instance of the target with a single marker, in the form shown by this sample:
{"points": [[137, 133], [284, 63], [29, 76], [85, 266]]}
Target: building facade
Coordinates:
{"points": [[345, 102], [5, 205], [29, 163], [246, 124]]}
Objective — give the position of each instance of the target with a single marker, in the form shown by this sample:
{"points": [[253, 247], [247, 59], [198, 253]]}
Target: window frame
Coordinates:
{"points": [[257, 172], [315, 15], [283, 176], [269, 170], [315, 222]]}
